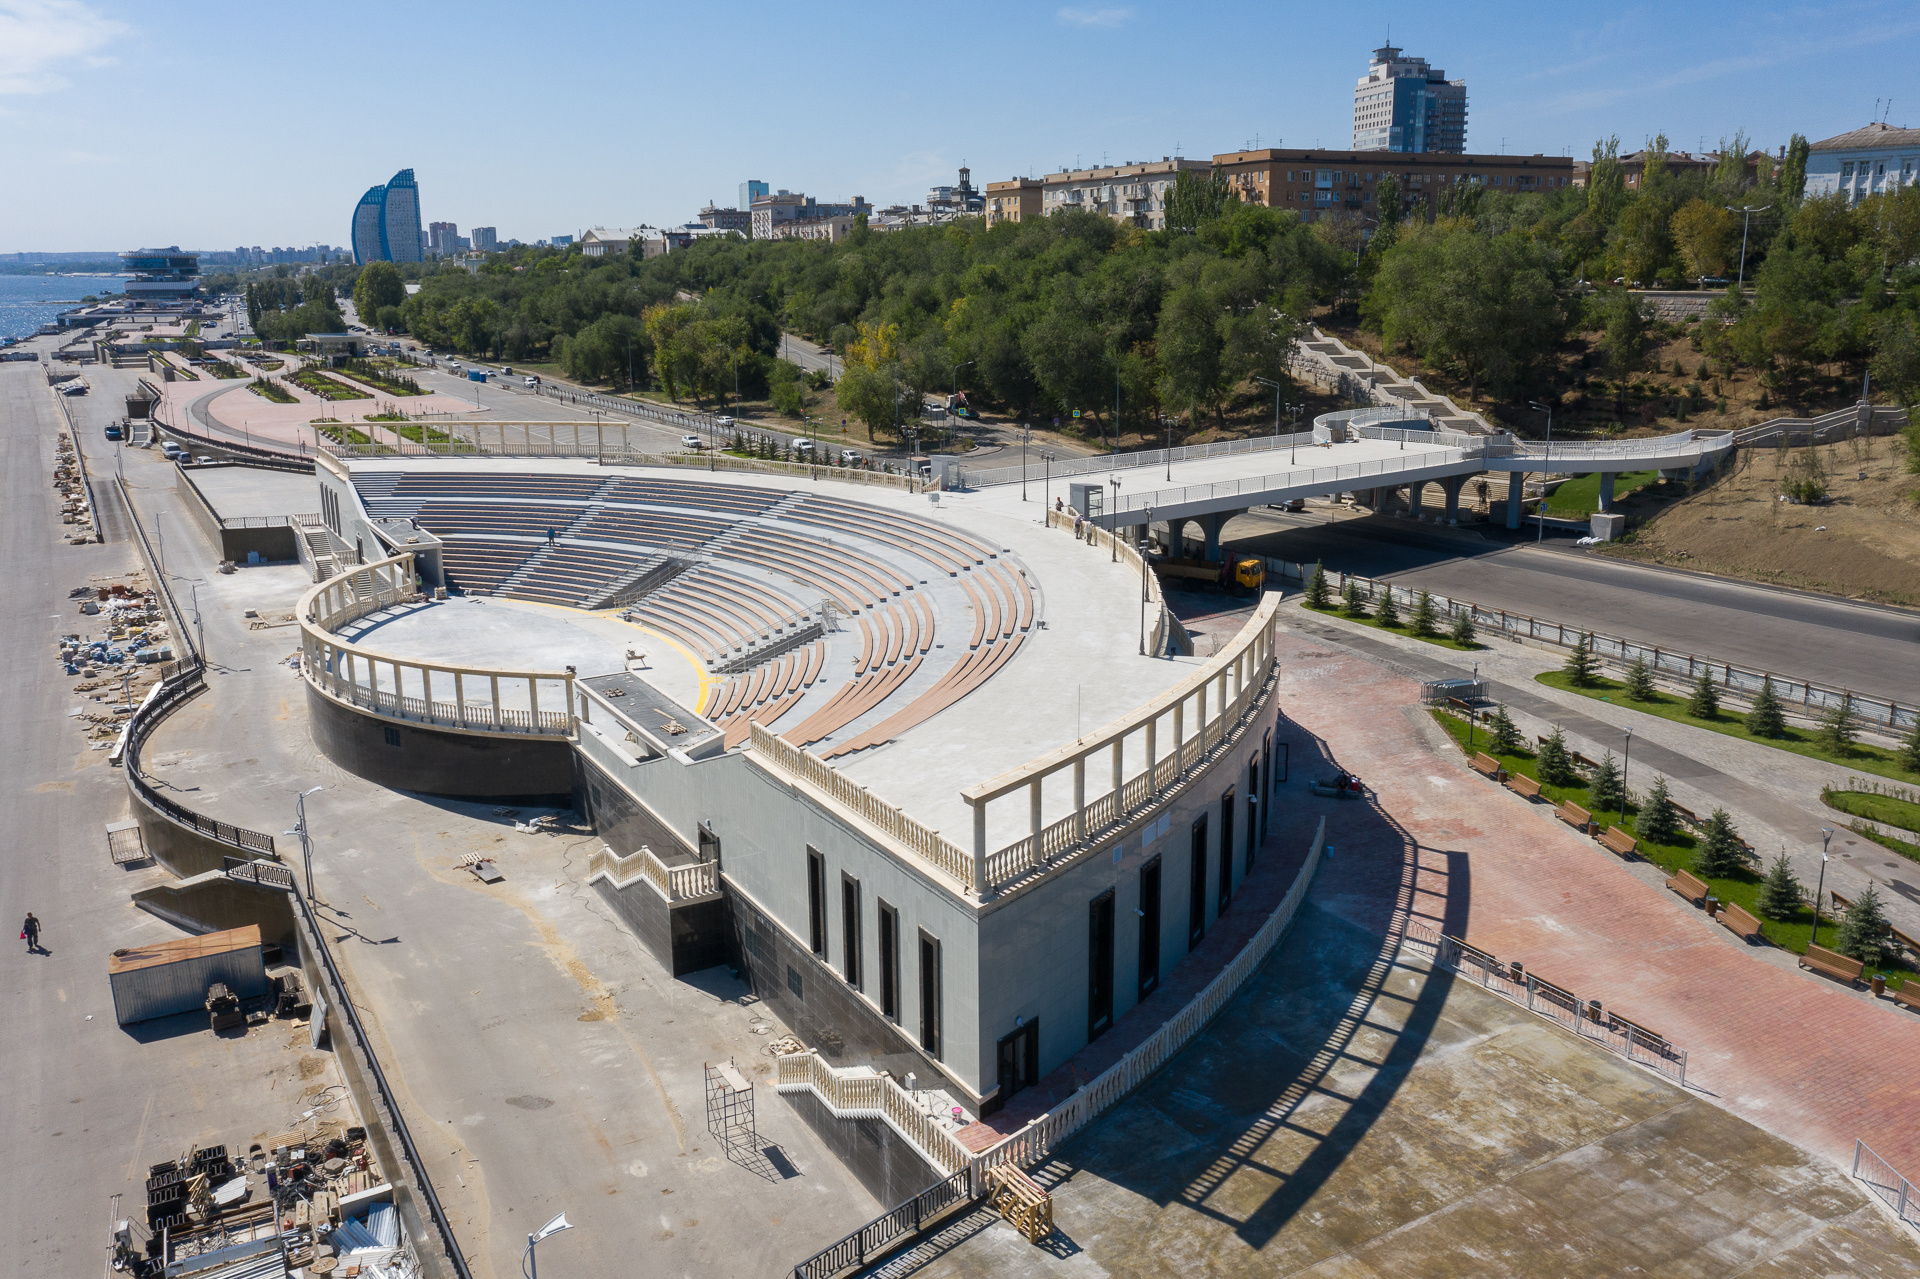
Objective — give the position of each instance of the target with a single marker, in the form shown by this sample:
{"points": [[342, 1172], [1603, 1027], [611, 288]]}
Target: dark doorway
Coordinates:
{"points": [[1253, 829], [930, 996], [817, 902], [1197, 890], [1149, 928], [1228, 803], [1099, 965], [889, 962], [1019, 1060], [850, 929]]}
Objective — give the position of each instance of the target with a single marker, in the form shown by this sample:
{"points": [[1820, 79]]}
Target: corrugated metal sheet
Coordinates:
{"points": [[171, 952], [163, 989]]}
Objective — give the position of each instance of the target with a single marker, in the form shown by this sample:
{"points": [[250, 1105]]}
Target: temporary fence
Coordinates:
{"points": [[1897, 1191], [1587, 1018], [1812, 699]]}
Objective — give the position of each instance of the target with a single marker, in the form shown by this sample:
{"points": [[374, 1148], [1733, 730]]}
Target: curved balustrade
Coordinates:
{"points": [[483, 699]]}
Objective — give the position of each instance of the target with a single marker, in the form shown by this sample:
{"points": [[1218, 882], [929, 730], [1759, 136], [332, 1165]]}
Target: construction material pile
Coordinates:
{"points": [[74, 508], [118, 664]]}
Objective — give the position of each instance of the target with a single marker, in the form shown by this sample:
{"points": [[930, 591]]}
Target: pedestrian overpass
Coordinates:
{"points": [[1368, 452]]}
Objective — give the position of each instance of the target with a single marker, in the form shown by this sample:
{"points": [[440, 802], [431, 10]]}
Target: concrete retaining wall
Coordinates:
{"points": [[212, 903], [405, 756]]}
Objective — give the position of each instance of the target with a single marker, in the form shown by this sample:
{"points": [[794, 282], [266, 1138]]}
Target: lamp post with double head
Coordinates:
{"points": [[530, 1260], [1546, 455], [1826, 838], [1746, 211]]}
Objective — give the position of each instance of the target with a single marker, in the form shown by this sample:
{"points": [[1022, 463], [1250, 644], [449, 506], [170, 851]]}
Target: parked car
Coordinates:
{"points": [[692, 442], [113, 431], [203, 460], [849, 457], [530, 382], [172, 449], [508, 371], [1294, 504]]}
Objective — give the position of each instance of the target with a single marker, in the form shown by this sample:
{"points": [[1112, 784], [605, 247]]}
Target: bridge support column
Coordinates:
{"points": [[1417, 500], [1211, 526], [1177, 538], [1515, 479], [1606, 491], [1451, 486]]}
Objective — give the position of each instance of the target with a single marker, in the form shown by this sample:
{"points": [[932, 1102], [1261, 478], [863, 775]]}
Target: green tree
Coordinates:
{"points": [[1640, 681], [1426, 617], [1504, 733], [1607, 790], [1197, 199], [1606, 182], [1780, 893], [1765, 718], [1719, 854], [1704, 702], [1706, 235], [1624, 320], [1581, 670], [1463, 632], [1793, 172], [1319, 595], [786, 389], [378, 286], [1910, 748], [1840, 726], [1658, 821], [1864, 933], [1388, 612], [1353, 603], [1556, 765]]}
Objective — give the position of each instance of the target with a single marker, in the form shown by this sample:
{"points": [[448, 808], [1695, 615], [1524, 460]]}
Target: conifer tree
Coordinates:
{"points": [[1425, 616], [1463, 633], [1388, 612], [1318, 593], [1719, 854], [1352, 602], [1658, 821], [1705, 701], [1765, 718], [1581, 669], [1640, 681], [1556, 765], [1780, 893], [1865, 934], [1607, 792], [1840, 726], [1505, 733], [1910, 748]]}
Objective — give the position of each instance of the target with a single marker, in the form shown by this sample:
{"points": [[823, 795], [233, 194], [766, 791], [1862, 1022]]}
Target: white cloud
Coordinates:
{"points": [[37, 36], [1093, 17]]}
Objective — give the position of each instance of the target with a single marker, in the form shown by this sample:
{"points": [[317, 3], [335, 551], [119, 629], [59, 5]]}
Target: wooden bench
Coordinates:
{"points": [[1830, 963], [1619, 842], [1582, 763], [1487, 766], [1743, 924], [1574, 815], [1908, 995], [1689, 886], [1840, 903], [1688, 816], [1911, 945], [1522, 785]]}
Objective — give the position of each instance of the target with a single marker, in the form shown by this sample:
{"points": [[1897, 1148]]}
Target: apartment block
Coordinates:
{"points": [[486, 239], [1134, 192], [1402, 104], [1315, 184], [1014, 200], [772, 211]]}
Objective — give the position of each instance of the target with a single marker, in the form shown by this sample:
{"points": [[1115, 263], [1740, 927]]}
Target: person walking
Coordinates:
{"points": [[31, 931], [549, 537]]}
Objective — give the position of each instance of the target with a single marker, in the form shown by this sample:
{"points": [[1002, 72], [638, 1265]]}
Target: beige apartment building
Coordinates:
{"points": [[1135, 193], [1014, 200], [1315, 183]]}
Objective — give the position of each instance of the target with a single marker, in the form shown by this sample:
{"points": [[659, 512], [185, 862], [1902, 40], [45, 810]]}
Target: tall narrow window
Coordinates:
{"points": [[1197, 889], [1100, 965], [889, 961], [850, 929], [930, 996], [1228, 803], [1149, 928], [816, 902]]}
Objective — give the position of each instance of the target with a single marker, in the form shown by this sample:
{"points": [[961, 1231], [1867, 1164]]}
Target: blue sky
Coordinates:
{"points": [[213, 124]]}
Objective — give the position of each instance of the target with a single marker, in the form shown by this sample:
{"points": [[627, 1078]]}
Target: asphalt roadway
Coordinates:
{"points": [[1869, 648]]}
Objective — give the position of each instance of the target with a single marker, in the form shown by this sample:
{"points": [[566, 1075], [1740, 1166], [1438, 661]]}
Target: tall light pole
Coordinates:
{"points": [[1113, 519], [1293, 436], [1277, 388], [1166, 420], [1626, 763], [1746, 211], [530, 1261], [300, 829], [1146, 542], [1826, 837], [1026, 434], [1540, 526]]}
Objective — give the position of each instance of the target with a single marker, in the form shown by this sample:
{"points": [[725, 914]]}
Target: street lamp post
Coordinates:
{"points": [[1293, 436], [1113, 519], [1277, 388], [1626, 764], [1146, 543], [1746, 211], [1166, 420], [300, 829], [1546, 455], [530, 1260], [1046, 483], [1826, 838], [1026, 434]]}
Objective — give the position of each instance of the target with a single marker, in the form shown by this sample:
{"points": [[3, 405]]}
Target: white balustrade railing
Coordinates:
{"points": [[675, 883]]}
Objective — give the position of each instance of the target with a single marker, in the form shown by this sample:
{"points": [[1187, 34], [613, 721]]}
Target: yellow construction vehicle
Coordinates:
{"points": [[1238, 573]]}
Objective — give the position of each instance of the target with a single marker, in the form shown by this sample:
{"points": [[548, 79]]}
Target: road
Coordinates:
{"points": [[1857, 646]]}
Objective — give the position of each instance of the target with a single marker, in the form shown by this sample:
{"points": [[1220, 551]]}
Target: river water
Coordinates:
{"points": [[29, 301]]}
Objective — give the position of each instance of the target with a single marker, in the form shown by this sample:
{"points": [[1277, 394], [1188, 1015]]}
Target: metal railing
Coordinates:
{"points": [[878, 1236], [266, 874], [1811, 698], [166, 697], [1897, 1191], [1844, 423], [1587, 1018], [1316, 479], [1062, 468]]}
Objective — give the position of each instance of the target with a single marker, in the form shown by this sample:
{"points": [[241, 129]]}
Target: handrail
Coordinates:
{"points": [[1061, 468], [333, 665], [675, 883]]}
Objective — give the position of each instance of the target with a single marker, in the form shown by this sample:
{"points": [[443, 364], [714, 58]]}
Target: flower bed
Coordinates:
{"points": [[327, 388], [272, 391]]}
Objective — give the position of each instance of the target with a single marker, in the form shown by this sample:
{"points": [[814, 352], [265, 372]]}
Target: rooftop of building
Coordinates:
{"points": [[1870, 137]]}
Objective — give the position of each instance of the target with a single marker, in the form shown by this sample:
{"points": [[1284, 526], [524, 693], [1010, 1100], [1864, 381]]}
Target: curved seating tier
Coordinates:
{"points": [[865, 560]]}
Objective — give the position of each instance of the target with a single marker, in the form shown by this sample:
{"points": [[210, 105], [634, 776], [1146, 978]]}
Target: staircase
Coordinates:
{"points": [[323, 551], [376, 494], [533, 562], [655, 572]]}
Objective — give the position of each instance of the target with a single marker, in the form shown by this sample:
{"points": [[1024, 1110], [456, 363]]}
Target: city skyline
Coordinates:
{"points": [[1543, 81]]}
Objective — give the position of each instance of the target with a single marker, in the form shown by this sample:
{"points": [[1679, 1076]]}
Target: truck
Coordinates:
{"points": [[1236, 573]]}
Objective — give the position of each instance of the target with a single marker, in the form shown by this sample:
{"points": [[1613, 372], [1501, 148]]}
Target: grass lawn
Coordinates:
{"points": [[1439, 637], [1580, 496], [273, 391], [1888, 810], [345, 435], [425, 434], [327, 388], [1742, 889], [1801, 741]]}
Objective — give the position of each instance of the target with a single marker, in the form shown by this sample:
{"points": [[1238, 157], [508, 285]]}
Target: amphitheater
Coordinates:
{"points": [[870, 743]]}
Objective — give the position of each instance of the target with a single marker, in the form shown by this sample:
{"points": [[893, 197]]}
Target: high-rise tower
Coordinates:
{"points": [[1402, 104], [386, 222]]}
